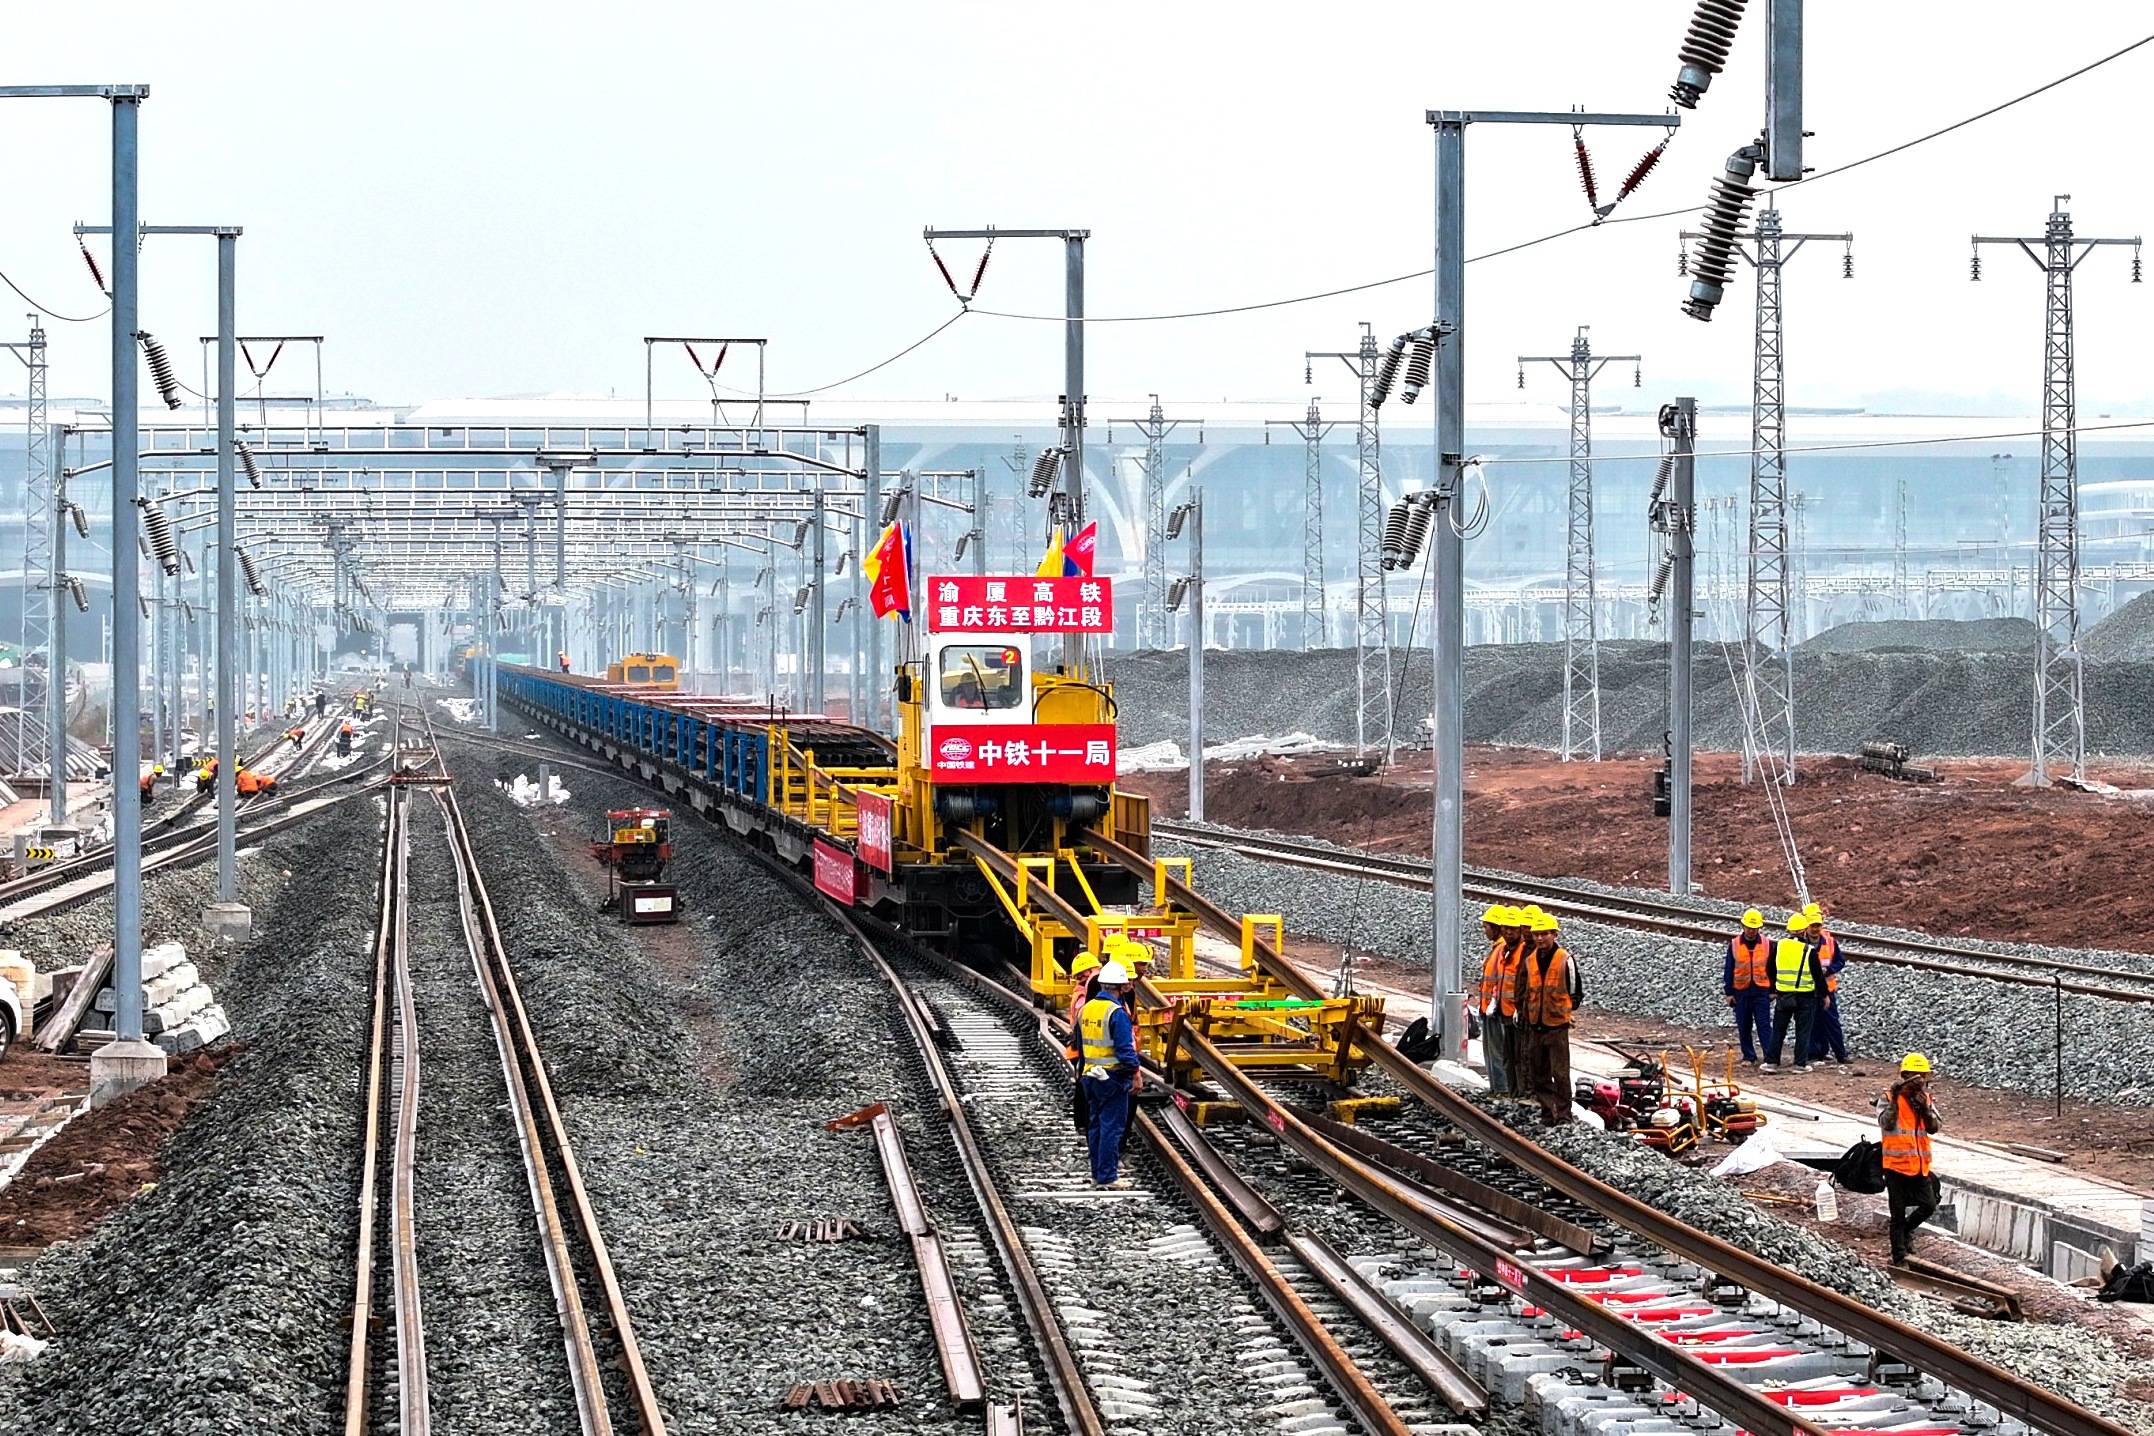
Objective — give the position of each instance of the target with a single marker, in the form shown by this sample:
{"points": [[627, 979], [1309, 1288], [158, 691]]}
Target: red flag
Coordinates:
{"points": [[889, 589], [1079, 552]]}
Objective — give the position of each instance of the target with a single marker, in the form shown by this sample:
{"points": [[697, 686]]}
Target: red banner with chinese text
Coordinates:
{"points": [[975, 603], [874, 838], [1080, 753], [835, 873]]}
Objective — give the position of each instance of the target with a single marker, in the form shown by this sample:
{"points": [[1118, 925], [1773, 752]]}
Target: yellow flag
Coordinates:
{"points": [[1051, 566]]}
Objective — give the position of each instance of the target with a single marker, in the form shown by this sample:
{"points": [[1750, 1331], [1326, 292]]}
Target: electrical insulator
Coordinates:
{"points": [[95, 273], [1732, 193], [160, 369], [1847, 265], [157, 529], [1043, 471], [247, 463], [1308, 372], [1974, 265], [82, 520], [1585, 171], [1660, 575], [1058, 508], [1640, 170], [1682, 259], [80, 594], [1387, 370], [800, 598], [2135, 264], [1521, 376], [1637, 377], [1660, 480], [1395, 524], [250, 573], [187, 559], [1417, 365], [1705, 49], [1417, 532]]}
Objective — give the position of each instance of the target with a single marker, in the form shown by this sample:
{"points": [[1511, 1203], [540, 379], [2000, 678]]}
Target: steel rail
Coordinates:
{"points": [[1663, 916], [2010, 1393], [962, 1374], [414, 1408], [531, 1096], [359, 1349], [1066, 1378]]}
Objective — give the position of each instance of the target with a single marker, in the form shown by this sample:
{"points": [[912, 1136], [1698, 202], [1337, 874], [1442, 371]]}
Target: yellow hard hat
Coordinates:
{"points": [[1543, 922], [1496, 915], [1086, 961], [1797, 922], [159, 770], [1812, 911], [1914, 1062], [1753, 919], [1528, 915]]}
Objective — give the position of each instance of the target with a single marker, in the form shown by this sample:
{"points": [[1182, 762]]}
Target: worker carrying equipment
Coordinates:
{"points": [[1906, 1119], [1107, 1041]]}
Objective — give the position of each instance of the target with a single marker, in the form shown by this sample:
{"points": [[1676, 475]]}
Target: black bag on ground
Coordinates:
{"points": [[2129, 1283], [1415, 1043], [1861, 1168]]}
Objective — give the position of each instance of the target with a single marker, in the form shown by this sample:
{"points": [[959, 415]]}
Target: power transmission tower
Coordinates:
{"points": [[1154, 629], [32, 742], [1770, 646], [1372, 630], [1581, 612], [1312, 430], [1799, 610], [1899, 550], [2060, 720]]}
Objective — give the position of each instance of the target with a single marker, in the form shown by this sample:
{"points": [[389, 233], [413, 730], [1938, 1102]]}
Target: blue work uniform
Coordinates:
{"points": [[1750, 984], [1108, 1038], [1827, 1035]]}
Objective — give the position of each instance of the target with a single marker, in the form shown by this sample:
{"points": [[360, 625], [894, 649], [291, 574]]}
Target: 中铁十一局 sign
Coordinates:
{"points": [[976, 603], [1081, 753]]}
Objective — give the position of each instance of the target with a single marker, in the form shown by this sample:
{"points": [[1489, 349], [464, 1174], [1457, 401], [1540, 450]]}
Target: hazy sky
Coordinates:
{"points": [[502, 199]]}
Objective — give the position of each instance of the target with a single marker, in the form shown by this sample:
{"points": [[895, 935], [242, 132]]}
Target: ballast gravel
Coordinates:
{"points": [[696, 1091], [215, 1301], [1993, 1034]]}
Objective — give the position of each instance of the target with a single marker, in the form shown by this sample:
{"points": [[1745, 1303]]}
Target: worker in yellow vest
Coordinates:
{"points": [[1107, 1041], [1546, 993], [1798, 986], [1906, 1119]]}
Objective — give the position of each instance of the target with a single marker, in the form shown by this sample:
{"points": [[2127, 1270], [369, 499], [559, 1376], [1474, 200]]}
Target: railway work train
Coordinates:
{"points": [[990, 829]]}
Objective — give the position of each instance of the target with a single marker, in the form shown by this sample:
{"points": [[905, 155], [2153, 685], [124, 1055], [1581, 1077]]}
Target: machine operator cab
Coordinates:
{"points": [[977, 679]]}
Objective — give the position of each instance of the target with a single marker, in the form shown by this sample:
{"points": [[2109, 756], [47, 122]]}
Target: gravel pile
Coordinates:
{"points": [[1937, 701], [2079, 1364], [2127, 634], [1913, 635], [1956, 1020], [216, 1298], [696, 1088]]}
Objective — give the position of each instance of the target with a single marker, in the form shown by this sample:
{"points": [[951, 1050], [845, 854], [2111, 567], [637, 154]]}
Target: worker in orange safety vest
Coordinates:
{"points": [[1505, 929], [1827, 1036], [1746, 981], [1546, 993], [1907, 1119]]}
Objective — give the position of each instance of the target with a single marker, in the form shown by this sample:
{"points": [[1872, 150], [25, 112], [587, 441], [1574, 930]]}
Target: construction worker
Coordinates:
{"points": [[1546, 993], [149, 783], [296, 734], [562, 659], [1084, 983], [205, 775], [321, 703], [1798, 986], [1499, 1011], [1746, 980], [344, 739], [1829, 1036], [1906, 1120], [1108, 1042]]}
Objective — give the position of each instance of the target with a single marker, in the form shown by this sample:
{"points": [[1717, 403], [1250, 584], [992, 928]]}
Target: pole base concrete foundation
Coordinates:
{"points": [[118, 1068], [228, 921]]}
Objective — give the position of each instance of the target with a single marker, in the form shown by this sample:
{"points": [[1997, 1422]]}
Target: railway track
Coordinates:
{"points": [[394, 1380], [1672, 917]]}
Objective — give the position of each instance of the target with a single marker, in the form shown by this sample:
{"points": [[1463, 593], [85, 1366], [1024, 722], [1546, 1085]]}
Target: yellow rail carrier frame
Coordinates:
{"points": [[1041, 886]]}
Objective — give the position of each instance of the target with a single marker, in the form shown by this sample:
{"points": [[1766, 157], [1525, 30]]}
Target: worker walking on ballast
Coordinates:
{"points": [[1830, 1037], [1746, 980], [1546, 993], [1907, 1118], [1108, 1042], [1798, 984]]}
